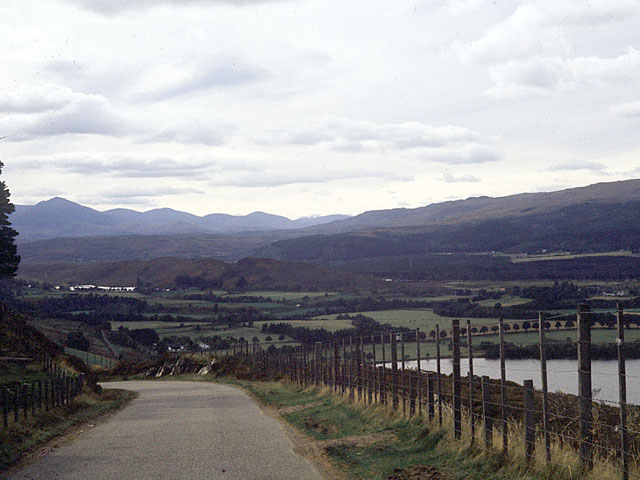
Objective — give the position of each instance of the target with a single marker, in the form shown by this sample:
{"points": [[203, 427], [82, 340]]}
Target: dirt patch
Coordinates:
{"points": [[320, 427], [297, 408], [359, 440], [418, 472]]}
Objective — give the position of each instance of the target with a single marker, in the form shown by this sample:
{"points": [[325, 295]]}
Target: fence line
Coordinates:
{"points": [[516, 414], [20, 400]]}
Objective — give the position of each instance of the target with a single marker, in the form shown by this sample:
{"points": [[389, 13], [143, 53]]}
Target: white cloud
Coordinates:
{"points": [[532, 51], [357, 135], [579, 165], [518, 36], [537, 28], [545, 74], [195, 132], [630, 109], [468, 154], [114, 6], [449, 178]]}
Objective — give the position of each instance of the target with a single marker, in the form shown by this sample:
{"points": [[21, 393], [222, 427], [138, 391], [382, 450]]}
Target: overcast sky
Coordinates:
{"points": [[314, 106]]}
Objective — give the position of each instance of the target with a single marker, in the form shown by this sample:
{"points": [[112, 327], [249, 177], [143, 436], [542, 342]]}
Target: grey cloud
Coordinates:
{"points": [[124, 193], [221, 75], [578, 165], [121, 166], [276, 179], [93, 78], [35, 99], [193, 134], [86, 114], [448, 178]]}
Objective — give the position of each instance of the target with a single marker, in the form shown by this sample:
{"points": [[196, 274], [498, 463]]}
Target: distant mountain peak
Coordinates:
{"points": [[59, 217]]}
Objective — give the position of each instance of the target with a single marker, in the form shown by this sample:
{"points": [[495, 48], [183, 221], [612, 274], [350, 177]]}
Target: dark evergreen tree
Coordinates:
{"points": [[9, 258]]}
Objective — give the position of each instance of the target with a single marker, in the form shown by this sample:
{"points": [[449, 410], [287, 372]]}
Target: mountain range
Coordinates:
{"points": [[59, 217], [420, 243]]}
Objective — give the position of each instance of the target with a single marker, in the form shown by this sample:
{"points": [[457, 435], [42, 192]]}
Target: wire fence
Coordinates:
{"points": [[534, 424], [20, 400]]}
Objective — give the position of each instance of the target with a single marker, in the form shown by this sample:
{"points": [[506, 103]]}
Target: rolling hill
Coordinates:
{"points": [[250, 273]]}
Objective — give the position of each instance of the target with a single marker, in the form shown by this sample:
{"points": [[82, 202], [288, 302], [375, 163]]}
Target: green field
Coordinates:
{"points": [[287, 296], [506, 301], [328, 324], [425, 319], [529, 338], [568, 256], [91, 358], [155, 325]]}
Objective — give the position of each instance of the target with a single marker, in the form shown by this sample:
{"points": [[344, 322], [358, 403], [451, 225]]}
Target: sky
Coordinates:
{"points": [[314, 107]]}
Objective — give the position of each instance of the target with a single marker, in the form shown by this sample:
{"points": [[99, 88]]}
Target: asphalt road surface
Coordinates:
{"points": [[178, 430]]}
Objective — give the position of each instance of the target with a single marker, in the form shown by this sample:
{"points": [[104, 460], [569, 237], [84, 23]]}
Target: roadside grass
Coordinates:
{"points": [[393, 442], [24, 436]]}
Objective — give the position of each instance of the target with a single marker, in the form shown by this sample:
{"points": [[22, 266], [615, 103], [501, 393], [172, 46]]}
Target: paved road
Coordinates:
{"points": [[178, 430]]}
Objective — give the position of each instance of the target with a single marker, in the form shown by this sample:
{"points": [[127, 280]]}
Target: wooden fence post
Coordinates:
{"points": [[430, 403], [503, 387], [383, 378], [487, 413], [336, 365], [545, 389], [343, 369], [25, 401], [394, 370], [457, 410], [16, 404], [439, 373], [403, 386], [584, 387], [352, 392], [471, 389], [419, 371], [318, 364], [5, 408], [374, 371], [530, 429], [360, 380], [622, 395]]}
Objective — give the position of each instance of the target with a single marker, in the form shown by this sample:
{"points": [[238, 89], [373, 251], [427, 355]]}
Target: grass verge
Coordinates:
{"points": [[26, 435], [375, 442]]}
